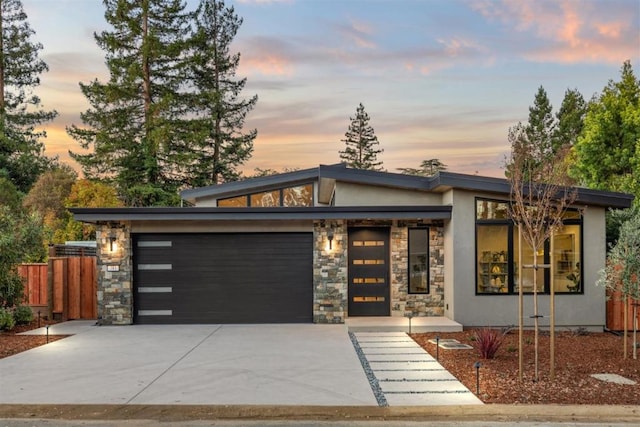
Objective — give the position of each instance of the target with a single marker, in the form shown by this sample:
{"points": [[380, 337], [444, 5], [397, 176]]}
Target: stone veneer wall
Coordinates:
{"points": [[115, 275], [330, 273], [402, 302]]}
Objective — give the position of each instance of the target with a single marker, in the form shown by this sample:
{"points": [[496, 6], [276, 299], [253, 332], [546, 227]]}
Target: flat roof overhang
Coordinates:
{"points": [[95, 215]]}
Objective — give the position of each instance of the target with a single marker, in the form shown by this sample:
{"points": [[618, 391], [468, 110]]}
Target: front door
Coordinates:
{"points": [[369, 272]]}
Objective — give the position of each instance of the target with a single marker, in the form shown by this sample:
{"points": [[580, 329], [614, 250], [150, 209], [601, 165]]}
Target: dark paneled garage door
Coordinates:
{"points": [[223, 278]]}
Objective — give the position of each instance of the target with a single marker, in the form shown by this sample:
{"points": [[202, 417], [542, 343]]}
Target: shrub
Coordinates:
{"points": [[22, 314], [6, 320], [487, 342]]}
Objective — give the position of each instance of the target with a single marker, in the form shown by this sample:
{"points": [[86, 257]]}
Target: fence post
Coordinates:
{"points": [[50, 288], [65, 289]]}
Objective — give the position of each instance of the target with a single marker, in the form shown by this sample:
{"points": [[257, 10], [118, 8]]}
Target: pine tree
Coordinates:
{"points": [[541, 126], [22, 157], [427, 168], [361, 143], [219, 144], [135, 124], [536, 136], [570, 119]]}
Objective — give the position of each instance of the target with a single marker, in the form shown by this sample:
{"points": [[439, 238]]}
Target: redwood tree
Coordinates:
{"points": [[361, 151], [22, 157]]}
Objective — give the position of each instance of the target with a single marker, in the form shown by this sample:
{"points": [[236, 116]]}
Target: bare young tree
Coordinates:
{"points": [[540, 195]]}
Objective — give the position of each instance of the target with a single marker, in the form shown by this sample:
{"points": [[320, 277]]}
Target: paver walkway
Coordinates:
{"points": [[407, 375]]}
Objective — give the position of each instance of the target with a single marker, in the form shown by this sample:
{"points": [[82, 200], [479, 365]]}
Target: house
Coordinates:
{"points": [[327, 243]]}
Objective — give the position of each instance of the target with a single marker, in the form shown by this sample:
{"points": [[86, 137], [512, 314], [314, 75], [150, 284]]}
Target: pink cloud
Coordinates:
{"points": [[267, 56], [572, 31], [267, 64], [612, 30]]}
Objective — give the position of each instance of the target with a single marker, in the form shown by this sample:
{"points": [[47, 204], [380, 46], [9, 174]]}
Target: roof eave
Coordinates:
{"points": [[95, 215]]}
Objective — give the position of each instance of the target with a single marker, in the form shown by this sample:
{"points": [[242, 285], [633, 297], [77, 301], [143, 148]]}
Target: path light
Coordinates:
{"points": [[437, 348], [410, 316], [47, 327], [477, 366]]}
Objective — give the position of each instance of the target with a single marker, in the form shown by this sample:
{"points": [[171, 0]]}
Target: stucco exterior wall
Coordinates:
{"points": [[348, 194], [572, 310]]}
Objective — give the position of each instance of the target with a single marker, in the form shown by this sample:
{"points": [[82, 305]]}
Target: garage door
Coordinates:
{"points": [[223, 278]]}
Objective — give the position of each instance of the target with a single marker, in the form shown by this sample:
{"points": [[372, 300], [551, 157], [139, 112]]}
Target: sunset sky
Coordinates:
{"points": [[439, 78]]}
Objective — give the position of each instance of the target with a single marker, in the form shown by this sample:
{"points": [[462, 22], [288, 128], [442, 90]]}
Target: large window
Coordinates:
{"points": [[497, 254], [301, 195], [418, 260]]}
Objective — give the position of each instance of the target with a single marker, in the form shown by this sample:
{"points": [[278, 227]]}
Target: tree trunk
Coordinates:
{"points": [[149, 144], [625, 312], [2, 102], [520, 309], [535, 314], [635, 329], [217, 139], [552, 316]]}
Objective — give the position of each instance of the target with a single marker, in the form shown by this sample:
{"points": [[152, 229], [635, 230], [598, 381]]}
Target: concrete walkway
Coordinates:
{"points": [[409, 376]]}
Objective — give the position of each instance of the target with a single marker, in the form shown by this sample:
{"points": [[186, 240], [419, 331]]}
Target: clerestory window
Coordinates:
{"points": [[298, 196]]}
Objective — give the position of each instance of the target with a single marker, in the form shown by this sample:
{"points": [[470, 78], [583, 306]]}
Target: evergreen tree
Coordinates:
{"points": [[607, 154], [22, 157], [135, 124], [427, 168], [541, 126], [536, 136], [361, 150], [570, 119], [219, 145]]}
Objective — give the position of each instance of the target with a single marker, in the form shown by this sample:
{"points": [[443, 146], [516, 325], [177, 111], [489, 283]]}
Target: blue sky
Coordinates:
{"points": [[439, 78]]}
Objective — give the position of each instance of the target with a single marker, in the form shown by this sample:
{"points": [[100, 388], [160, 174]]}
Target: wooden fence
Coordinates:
{"points": [[615, 313], [63, 288]]}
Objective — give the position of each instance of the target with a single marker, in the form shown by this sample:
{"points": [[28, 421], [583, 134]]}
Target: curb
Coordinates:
{"points": [[531, 413]]}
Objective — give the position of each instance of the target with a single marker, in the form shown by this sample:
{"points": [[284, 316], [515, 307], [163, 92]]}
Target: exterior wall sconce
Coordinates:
{"points": [[113, 243], [113, 236], [330, 237], [330, 229]]}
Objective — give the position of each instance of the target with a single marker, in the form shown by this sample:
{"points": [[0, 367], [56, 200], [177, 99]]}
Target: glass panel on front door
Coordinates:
{"points": [[369, 272]]}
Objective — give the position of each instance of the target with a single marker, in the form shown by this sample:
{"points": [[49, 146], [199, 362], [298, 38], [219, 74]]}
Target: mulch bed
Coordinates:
{"points": [[11, 343], [577, 357]]}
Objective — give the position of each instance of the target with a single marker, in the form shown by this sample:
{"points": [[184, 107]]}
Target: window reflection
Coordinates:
{"points": [[566, 258], [297, 196], [266, 200], [497, 254], [493, 258], [233, 202], [418, 261]]}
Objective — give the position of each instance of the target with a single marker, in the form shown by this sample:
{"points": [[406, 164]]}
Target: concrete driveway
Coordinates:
{"points": [[198, 364]]}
